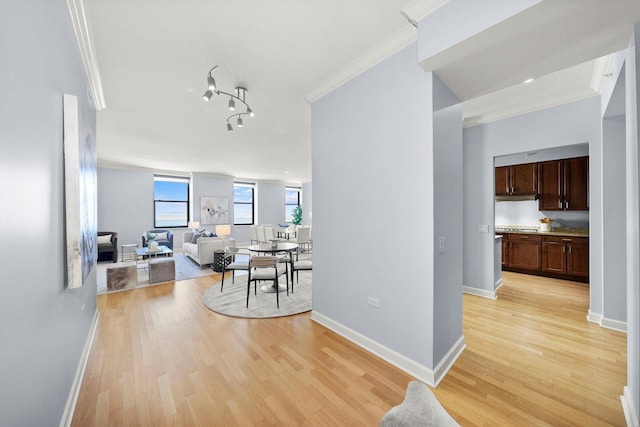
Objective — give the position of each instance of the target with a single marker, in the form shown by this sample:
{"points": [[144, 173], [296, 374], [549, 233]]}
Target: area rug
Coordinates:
{"points": [[186, 268], [233, 299]]}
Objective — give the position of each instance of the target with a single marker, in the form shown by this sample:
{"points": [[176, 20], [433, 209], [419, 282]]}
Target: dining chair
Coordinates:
{"points": [[302, 238], [265, 268], [261, 234], [253, 233], [269, 234], [298, 265], [230, 252]]}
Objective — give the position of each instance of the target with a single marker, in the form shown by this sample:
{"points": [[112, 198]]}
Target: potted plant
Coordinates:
{"points": [[296, 215], [151, 241]]}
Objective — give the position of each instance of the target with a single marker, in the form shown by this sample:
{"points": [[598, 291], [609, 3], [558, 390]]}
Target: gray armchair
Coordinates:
{"points": [[162, 239], [107, 246]]}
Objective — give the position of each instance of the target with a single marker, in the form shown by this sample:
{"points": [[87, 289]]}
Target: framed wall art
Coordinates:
{"points": [[214, 210]]}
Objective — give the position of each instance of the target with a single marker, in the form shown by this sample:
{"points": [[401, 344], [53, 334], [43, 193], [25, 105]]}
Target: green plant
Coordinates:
{"points": [[296, 215], [150, 236]]}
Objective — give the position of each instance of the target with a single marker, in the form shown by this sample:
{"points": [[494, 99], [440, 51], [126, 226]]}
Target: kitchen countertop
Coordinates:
{"points": [[556, 231]]}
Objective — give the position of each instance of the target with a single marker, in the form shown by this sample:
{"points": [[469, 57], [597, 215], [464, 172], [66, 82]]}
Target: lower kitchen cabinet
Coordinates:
{"points": [[562, 257], [525, 251], [566, 255]]}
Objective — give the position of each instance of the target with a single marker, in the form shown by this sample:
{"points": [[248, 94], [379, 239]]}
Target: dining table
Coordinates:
{"points": [[273, 248]]}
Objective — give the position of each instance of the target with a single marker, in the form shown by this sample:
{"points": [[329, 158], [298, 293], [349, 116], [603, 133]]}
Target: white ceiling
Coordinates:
{"points": [[154, 55]]}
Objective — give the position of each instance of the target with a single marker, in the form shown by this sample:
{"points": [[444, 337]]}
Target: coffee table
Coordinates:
{"points": [[146, 253]]}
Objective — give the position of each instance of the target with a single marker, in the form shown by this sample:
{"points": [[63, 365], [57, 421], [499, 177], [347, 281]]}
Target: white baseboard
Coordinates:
{"points": [[594, 317], [69, 409], [498, 285], [616, 325], [607, 323], [400, 361], [479, 292], [449, 359], [630, 414]]}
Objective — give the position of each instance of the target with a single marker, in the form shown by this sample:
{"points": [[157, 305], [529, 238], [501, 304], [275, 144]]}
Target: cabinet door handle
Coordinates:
{"points": [[567, 240], [524, 237], [569, 248], [560, 204], [564, 249]]}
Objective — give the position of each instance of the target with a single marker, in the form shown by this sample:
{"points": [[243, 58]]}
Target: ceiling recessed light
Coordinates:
{"points": [[286, 172], [529, 80]]}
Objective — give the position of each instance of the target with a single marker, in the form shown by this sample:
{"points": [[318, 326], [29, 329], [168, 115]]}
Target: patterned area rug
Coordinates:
{"points": [[233, 299]]}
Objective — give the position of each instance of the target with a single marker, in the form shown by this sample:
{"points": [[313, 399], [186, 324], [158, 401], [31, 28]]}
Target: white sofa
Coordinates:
{"points": [[202, 251]]}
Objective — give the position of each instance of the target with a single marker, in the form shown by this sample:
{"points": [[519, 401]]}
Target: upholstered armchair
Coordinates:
{"points": [[163, 237], [107, 246]]}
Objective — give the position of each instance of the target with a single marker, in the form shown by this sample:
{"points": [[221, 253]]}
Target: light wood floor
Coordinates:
{"points": [[161, 358]]}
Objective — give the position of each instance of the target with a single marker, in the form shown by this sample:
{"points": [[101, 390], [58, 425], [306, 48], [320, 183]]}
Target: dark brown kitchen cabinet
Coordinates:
{"points": [[563, 184], [567, 256], [516, 180], [525, 251]]}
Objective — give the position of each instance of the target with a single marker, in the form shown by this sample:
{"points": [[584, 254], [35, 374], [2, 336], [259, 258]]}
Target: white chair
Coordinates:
{"points": [[253, 233], [265, 268], [269, 234], [297, 265], [234, 265], [302, 238], [262, 238]]}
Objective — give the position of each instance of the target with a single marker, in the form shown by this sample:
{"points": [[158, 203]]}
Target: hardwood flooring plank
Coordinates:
{"points": [[160, 357]]}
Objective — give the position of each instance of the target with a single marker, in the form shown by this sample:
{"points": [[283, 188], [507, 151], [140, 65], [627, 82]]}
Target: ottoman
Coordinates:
{"points": [[121, 276], [162, 270]]}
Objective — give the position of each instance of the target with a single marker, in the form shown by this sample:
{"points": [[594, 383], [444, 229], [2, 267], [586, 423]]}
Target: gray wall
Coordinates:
{"points": [[43, 325], [307, 205], [373, 179], [632, 75]]}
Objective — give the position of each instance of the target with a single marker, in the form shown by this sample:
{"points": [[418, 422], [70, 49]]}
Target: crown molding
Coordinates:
{"points": [[87, 51], [397, 41], [419, 9]]}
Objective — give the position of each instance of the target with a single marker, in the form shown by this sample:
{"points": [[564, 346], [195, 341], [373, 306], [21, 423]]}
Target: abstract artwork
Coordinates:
{"points": [[80, 194], [214, 210]]}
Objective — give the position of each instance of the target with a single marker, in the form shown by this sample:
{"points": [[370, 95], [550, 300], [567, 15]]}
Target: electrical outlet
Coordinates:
{"points": [[374, 302], [442, 244], [484, 228]]}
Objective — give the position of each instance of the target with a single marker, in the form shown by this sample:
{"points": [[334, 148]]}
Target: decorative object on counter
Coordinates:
{"points": [[545, 224]]}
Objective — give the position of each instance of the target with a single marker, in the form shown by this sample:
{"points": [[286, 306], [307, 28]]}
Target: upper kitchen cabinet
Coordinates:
{"points": [[563, 184], [517, 180]]}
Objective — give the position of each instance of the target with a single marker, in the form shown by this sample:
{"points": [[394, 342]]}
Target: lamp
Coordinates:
{"points": [[223, 230], [194, 225], [238, 95]]}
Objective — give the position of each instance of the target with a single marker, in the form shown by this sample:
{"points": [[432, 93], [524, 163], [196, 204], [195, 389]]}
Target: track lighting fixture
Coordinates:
{"points": [[238, 95]]}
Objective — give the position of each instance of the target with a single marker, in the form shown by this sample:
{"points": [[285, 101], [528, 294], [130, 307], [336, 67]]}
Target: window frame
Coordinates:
{"points": [[171, 178], [299, 191], [252, 186]]}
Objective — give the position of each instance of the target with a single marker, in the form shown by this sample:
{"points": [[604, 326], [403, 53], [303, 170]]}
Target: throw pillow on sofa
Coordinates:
{"points": [[195, 237], [104, 240], [160, 236]]}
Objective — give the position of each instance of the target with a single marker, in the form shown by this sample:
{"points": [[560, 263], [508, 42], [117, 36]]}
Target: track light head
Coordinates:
{"points": [[211, 82], [237, 95]]}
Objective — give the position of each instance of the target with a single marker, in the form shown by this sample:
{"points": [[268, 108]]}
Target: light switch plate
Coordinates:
{"points": [[484, 228]]}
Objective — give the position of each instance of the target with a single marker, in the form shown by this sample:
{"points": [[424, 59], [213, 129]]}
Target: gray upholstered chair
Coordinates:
{"points": [[163, 237], [230, 253], [107, 246]]}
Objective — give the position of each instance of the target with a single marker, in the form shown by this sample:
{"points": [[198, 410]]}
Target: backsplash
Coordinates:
{"points": [[526, 213]]}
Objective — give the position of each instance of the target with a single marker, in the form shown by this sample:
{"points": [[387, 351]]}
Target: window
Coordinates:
{"points": [[243, 203], [170, 201], [291, 200]]}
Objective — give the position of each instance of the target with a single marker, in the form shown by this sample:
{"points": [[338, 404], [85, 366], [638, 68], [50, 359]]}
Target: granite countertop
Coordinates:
{"points": [[556, 231]]}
